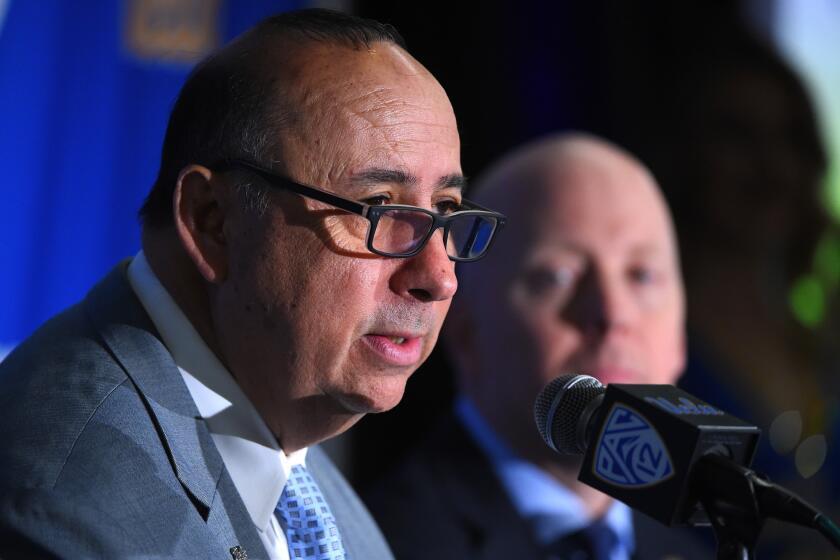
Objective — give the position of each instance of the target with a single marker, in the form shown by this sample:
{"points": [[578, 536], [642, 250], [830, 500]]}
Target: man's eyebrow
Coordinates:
{"points": [[377, 176], [455, 180]]}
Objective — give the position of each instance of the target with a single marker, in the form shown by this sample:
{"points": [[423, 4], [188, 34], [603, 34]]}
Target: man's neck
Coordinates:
{"points": [[177, 274]]}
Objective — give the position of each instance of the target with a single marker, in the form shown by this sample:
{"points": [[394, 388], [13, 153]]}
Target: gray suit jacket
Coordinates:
{"points": [[104, 454]]}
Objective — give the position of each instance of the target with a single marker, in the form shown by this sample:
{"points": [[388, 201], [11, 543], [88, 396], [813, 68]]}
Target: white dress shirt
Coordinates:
{"points": [[256, 463]]}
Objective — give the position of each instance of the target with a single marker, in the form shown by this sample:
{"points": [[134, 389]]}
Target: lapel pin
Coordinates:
{"points": [[238, 553]]}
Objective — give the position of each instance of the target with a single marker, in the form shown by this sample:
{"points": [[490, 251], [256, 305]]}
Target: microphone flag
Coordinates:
{"points": [[648, 439]]}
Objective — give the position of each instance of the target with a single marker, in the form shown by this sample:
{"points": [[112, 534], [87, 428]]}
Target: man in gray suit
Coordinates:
{"points": [[296, 266]]}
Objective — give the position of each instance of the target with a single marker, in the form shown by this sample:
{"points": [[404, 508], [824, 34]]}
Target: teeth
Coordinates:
{"points": [[396, 339]]}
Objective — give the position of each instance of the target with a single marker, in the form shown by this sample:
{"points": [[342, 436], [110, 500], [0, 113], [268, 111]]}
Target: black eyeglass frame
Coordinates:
{"points": [[373, 212]]}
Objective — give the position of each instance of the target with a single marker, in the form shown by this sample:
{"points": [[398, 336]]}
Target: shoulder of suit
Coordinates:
{"points": [[50, 388]]}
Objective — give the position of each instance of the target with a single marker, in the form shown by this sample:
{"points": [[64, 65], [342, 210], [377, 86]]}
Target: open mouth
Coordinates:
{"points": [[394, 350]]}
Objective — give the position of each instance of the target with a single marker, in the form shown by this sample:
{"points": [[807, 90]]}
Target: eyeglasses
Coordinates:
{"points": [[397, 230]]}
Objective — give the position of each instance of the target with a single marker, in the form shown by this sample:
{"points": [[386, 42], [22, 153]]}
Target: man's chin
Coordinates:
{"points": [[374, 399]]}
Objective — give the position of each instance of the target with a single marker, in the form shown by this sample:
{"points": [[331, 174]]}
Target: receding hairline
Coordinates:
{"points": [[292, 63], [274, 52]]}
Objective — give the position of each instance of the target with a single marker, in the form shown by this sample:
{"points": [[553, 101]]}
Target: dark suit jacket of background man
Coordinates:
{"points": [[105, 454], [445, 502]]}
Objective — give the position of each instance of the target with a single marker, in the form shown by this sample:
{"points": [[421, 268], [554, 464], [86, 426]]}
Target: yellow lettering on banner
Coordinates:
{"points": [[181, 31]]}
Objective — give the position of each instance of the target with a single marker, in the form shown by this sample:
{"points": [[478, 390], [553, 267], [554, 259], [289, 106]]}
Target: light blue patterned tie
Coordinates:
{"points": [[310, 526]]}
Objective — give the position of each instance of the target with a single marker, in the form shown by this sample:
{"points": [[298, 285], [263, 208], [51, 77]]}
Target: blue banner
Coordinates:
{"points": [[86, 88]]}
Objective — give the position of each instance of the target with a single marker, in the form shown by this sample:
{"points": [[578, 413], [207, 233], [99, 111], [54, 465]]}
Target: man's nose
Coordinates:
{"points": [[600, 304], [428, 275]]}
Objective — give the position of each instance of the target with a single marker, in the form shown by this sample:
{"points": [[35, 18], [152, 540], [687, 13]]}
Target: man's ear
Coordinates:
{"points": [[199, 208]]}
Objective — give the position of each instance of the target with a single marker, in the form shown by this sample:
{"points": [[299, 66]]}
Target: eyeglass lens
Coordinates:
{"points": [[400, 231], [470, 235]]}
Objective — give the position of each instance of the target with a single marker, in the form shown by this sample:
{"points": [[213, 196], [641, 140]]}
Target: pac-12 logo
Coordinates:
{"points": [[630, 452]]}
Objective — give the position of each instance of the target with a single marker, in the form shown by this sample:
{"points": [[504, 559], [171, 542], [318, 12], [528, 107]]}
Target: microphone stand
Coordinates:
{"points": [[730, 501], [738, 501]]}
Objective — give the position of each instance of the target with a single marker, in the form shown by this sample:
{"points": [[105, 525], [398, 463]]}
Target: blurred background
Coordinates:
{"points": [[734, 105]]}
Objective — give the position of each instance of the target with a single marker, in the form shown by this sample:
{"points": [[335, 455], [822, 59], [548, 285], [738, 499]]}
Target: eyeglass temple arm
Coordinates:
{"points": [[311, 192], [329, 198]]}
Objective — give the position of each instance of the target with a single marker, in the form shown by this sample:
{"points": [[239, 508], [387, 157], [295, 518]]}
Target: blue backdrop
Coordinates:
{"points": [[86, 87]]}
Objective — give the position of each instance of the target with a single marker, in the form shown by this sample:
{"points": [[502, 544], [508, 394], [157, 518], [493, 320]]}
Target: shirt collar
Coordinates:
{"points": [[256, 463], [533, 492]]}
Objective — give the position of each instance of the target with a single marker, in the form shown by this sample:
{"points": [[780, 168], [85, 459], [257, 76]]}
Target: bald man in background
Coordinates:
{"points": [[586, 281]]}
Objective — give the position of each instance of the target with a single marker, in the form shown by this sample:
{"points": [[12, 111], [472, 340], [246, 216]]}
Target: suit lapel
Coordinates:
{"points": [[130, 335], [360, 534], [482, 504]]}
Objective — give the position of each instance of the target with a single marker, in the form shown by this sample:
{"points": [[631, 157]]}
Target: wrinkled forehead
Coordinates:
{"points": [[326, 80], [371, 104]]}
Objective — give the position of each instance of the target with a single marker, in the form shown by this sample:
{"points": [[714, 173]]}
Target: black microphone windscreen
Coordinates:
{"points": [[562, 411], [640, 442]]}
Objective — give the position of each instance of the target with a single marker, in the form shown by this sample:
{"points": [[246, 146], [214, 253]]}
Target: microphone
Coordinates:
{"points": [[641, 442], [671, 456]]}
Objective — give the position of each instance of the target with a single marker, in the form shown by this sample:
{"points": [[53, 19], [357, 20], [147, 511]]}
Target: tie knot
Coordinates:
{"points": [[310, 527]]}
